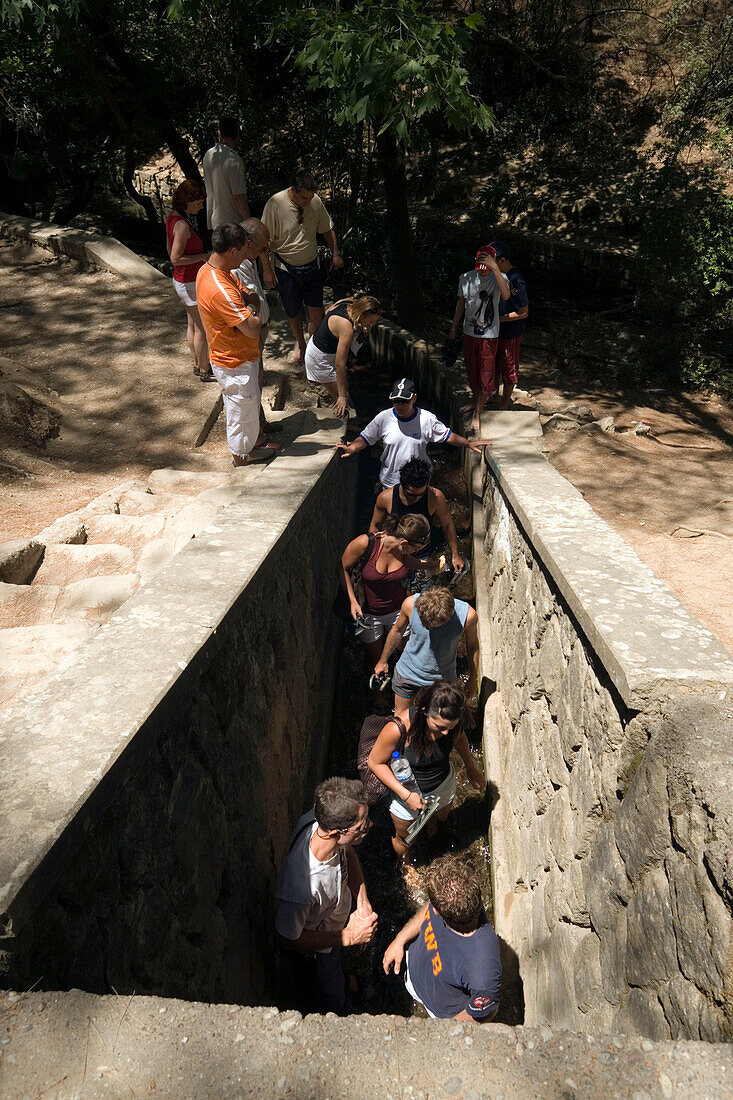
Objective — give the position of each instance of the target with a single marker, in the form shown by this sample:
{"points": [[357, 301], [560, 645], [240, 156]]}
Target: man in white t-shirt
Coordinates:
{"points": [[404, 431], [479, 294], [226, 191], [318, 884], [258, 238]]}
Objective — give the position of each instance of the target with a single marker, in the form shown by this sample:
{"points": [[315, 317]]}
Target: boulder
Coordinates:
{"points": [[33, 420], [19, 560]]}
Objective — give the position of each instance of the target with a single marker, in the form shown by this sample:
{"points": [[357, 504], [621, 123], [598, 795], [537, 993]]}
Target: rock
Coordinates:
{"points": [[26, 416], [651, 954], [105, 503], [606, 424], [63, 565], [587, 972], [19, 560], [67, 529], [27, 604], [41, 647], [168, 480], [132, 531], [96, 598]]}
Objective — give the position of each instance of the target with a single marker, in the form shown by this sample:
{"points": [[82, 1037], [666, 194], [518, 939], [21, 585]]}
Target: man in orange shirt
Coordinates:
{"points": [[230, 313]]}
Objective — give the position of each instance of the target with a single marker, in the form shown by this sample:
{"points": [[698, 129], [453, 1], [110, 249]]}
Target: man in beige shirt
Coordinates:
{"points": [[226, 194], [294, 217]]}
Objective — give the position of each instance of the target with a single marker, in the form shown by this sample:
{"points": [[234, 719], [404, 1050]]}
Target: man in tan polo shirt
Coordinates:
{"points": [[294, 217]]}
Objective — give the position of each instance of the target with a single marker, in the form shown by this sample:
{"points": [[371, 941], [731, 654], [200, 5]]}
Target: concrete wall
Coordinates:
{"points": [[609, 739], [148, 792]]}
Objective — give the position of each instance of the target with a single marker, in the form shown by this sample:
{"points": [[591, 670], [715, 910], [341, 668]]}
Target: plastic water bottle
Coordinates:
{"points": [[403, 771]]}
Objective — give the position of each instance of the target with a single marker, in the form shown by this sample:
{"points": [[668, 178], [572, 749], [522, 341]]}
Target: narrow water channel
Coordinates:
{"points": [[396, 892]]}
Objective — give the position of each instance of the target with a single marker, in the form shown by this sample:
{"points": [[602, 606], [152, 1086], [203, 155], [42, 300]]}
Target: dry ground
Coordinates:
{"points": [[112, 357], [646, 488]]}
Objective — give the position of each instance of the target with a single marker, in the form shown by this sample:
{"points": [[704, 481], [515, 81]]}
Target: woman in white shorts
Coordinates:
{"points": [[341, 331], [380, 563], [434, 728], [186, 250]]}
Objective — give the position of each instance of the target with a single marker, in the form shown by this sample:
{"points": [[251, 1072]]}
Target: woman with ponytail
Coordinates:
{"points": [[342, 330], [434, 727]]}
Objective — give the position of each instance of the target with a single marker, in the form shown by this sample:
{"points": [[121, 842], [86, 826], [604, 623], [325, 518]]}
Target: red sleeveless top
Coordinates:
{"points": [[384, 592], [185, 273]]}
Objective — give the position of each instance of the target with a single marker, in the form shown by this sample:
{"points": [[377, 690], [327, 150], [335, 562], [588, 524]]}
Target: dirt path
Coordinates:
{"points": [[646, 487], [112, 358]]}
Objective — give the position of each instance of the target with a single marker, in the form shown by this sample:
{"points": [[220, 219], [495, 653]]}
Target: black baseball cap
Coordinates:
{"points": [[402, 390], [500, 249]]}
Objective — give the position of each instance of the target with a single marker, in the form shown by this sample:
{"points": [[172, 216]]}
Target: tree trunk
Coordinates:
{"points": [[406, 273], [180, 149]]}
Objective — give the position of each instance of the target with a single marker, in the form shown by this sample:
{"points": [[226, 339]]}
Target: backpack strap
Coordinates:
{"points": [[301, 830]]}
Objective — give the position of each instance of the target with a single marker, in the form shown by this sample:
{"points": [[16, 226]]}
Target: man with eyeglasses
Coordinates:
{"points": [[405, 431], [415, 495], [319, 884], [294, 218]]}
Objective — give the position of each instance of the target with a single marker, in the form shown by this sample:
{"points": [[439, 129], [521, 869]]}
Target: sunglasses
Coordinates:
{"points": [[401, 400]]}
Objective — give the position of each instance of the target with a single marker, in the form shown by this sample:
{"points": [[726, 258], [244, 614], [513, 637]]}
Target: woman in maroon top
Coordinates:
{"points": [[186, 250], [383, 577]]}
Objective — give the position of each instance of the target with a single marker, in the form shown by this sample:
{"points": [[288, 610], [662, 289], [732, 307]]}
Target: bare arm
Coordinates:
{"points": [[349, 449], [476, 777], [240, 201], [395, 952], [445, 519], [515, 315], [501, 281], [471, 633], [379, 759], [380, 512], [330, 239], [349, 558], [457, 317], [181, 233], [345, 333], [456, 440], [356, 883], [251, 326], [360, 929], [393, 638]]}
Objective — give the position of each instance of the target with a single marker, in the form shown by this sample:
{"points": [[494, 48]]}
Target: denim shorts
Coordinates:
{"points": [[298, 288]]}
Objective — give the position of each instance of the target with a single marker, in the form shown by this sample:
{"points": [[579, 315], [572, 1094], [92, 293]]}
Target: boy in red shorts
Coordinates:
{"points": [[479, 294], [512, 315]]}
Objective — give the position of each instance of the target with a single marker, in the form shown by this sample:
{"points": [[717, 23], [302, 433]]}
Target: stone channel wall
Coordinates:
{"points": [[609, 739], [148, 792]]}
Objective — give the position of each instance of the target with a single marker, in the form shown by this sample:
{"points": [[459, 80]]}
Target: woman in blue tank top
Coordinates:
{"points": [[432, 730]]}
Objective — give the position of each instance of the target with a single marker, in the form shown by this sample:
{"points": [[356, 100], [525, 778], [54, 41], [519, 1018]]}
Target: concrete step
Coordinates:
{"points": [[27, 604], [158, 553], [132, 531], [64, 565], [194, 1051], [143, 502], [29, 653], [169, 480]]}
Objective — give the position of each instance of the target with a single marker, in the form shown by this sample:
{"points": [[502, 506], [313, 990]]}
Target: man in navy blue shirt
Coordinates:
{"points": [[512, 315], [453, 967]]}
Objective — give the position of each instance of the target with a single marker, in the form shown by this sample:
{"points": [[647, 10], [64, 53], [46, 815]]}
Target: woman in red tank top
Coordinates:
{"points": [[376, 606], [186, 250]]}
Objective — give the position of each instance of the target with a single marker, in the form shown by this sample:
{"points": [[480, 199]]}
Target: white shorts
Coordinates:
{"points": [[319, 367], [377, 625], [186, 292], [446, 790], [411, 990]]}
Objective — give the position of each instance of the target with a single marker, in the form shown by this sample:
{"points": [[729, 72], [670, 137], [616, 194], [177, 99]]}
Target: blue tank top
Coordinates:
{"points": [[430, 655]]}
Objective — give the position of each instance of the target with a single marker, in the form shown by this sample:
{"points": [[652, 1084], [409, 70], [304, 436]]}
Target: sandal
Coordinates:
{"points": [[267, 445], [210, 377]]}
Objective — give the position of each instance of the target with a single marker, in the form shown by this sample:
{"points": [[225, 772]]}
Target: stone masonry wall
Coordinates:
{"points": [[615, 886], [163, 879]]}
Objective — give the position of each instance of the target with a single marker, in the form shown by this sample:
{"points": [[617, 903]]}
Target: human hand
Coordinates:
{"points": [[476, 445], [337, 259], [356, 611], [381, 669], [363, 905], [360, 929], [393, 957], [269, 277], [345, 447], [415, 801], [457, 562], [341, 407], [452, 333]]}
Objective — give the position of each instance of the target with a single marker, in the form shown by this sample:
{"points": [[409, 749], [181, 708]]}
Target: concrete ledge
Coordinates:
{"points": [[103, 253], [77, 1045], [639, 630], [60, 749]]}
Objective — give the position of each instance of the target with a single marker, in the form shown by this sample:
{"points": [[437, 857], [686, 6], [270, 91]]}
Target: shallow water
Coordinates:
{"points": [[396, 892]]}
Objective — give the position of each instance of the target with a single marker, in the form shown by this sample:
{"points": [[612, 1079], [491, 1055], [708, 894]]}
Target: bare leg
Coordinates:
{"points": [[476, 419], [296, 327], [372, 653], [315, 316], [191, 337], [401, 706], [506, 396], [398, 840], [200, 348]]}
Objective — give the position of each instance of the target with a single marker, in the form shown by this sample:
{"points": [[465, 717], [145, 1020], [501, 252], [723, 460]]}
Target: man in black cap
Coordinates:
{"points": [[405, 431], [512, 315]]}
